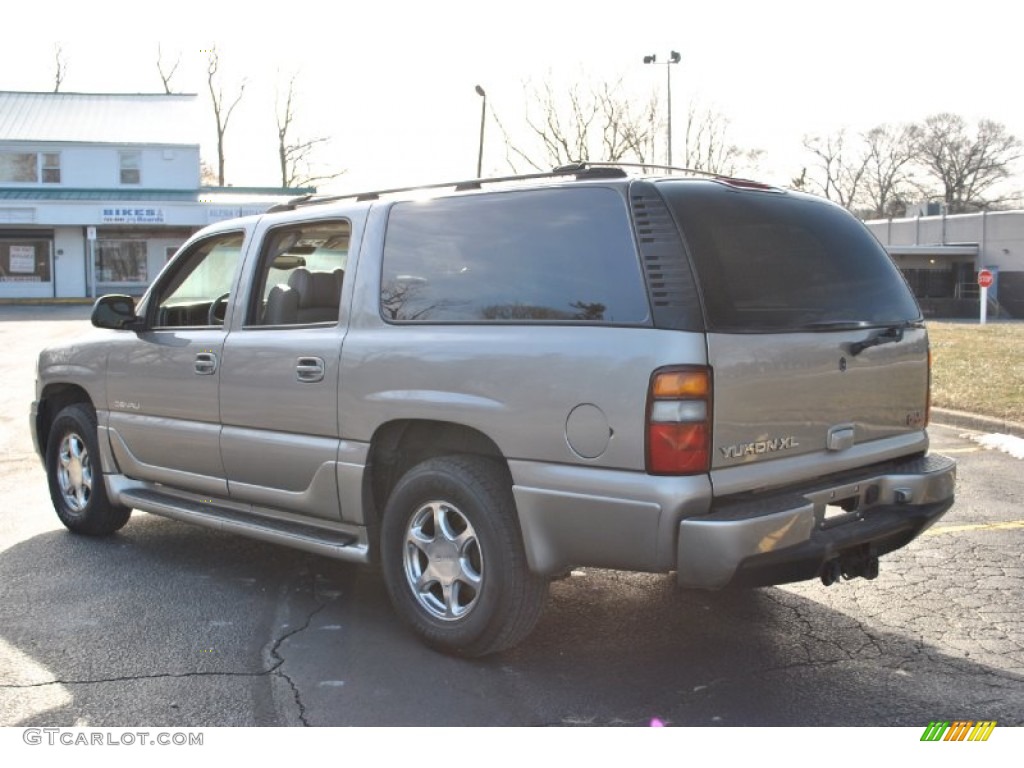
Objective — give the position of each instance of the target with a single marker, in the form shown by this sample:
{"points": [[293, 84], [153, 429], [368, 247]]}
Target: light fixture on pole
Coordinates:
{"points": [[673, 58], [483, 118]]}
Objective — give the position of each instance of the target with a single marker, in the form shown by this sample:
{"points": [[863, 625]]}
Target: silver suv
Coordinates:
{"points": [[481, 385]]}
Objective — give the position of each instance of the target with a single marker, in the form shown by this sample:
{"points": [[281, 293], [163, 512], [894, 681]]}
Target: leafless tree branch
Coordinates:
{"points": [[966, 167], [165, 76], [62, 67], [840, 171], [221, 113], [295, 156]]}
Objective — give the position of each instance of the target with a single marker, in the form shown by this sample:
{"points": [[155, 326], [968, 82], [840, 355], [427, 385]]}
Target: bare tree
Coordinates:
{"points": [[62, 67], [165, 76], [888, 172], [839, 173], [221, 110], [628, 129], [207, 176], [602, 123], [582, 124], [800, 183], [966, 167], [706, 145], [295, 156]]}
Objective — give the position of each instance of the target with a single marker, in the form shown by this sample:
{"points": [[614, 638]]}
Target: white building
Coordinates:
{"points": [[941, 256], [97, 191]]}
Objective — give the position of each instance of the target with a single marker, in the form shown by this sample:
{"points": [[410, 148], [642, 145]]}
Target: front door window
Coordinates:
{"points": [[197, 294]]}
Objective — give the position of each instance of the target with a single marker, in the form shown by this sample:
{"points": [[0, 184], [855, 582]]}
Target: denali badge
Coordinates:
{"points": [[761, 446]]}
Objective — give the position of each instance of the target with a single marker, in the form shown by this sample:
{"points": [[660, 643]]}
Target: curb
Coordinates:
{"points": [[951, 418]]}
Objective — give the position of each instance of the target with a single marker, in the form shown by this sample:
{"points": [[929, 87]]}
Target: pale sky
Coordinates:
{"points": [[392, 83]]}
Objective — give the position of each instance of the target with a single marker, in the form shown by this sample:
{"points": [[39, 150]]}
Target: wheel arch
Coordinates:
{"points": [[399, 445], [54, 398]]}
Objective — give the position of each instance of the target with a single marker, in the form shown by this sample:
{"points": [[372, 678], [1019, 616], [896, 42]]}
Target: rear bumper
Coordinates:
{"points": [[790, 537]]}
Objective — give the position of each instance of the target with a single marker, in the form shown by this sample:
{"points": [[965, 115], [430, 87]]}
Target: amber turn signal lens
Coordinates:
{"points": [[681, 384]]}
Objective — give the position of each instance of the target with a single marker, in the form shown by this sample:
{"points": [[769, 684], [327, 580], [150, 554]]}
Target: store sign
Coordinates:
{"points": [[224, 212], [23, 259], [132, 216]]}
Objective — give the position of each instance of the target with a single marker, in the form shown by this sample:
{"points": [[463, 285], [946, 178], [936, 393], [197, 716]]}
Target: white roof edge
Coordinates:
{"points": [[934, 250]]}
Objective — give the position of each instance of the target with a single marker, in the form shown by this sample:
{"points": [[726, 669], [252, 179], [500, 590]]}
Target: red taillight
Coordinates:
{"points": [[679, 421], [677, 449]]}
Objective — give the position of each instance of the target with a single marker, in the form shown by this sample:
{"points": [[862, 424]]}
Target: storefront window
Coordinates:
{"points": [[121, 261], [24, 261]]}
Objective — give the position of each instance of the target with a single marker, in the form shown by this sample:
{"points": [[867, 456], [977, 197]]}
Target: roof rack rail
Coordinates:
{"points": [[580, 171], [695, 171]]}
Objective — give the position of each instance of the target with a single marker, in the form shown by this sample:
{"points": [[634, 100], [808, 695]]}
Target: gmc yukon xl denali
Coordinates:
{"points": [[484, 384]]}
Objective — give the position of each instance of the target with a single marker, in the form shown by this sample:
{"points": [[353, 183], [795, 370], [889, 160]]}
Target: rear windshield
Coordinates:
{"points": [[770, 261]]}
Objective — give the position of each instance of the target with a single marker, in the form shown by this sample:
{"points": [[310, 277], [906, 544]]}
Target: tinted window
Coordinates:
{"points": [[545, 255], [302, 268], [769, 261]]}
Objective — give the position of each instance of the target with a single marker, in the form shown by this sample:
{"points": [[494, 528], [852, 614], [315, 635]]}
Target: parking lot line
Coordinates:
{"points": [[1005, 526]]}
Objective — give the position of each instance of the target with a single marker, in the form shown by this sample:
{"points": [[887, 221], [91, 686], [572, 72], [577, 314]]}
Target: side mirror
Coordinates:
{"points": [[115, 312]]}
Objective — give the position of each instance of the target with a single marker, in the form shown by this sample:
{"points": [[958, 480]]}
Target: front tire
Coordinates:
{"points": [[453, 557], [75, 476]]}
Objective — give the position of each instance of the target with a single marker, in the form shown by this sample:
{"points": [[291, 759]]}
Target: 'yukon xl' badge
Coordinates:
{"points": [[740, 450]]}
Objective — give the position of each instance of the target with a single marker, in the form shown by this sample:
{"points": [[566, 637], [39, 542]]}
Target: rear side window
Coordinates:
{"points": [[553, 255], [769, 262]]}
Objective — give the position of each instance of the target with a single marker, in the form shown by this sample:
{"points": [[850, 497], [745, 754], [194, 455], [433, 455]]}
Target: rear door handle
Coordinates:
{"points": [[310, 369], [206, 363]]}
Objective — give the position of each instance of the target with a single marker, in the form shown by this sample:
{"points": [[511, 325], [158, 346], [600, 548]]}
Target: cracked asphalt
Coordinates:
{"points": [[170, 625]]}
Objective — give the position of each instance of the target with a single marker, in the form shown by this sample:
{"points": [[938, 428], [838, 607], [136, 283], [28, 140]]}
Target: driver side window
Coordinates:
{"points": [[197, 293]]}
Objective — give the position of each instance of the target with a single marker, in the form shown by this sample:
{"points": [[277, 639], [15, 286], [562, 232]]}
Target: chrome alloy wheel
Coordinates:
{"points": [[443, 561], [74, 472]]}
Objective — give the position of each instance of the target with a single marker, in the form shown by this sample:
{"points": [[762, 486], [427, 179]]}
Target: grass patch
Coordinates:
{"points": [[979, 369]]}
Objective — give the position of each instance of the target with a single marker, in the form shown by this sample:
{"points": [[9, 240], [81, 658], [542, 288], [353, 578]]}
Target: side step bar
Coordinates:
{"points": [[336, 544]]}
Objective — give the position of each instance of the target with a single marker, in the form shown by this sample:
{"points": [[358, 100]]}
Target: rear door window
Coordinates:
{"points": [[771, 262], [555, 255]]}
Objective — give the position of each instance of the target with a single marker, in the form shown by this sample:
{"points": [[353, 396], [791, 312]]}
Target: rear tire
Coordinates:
{"points": [[75, 476], [453, 557]]}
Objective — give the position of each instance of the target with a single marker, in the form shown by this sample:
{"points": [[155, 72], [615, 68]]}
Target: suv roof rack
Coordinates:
{"points": [[724, 178], [581, 171]]}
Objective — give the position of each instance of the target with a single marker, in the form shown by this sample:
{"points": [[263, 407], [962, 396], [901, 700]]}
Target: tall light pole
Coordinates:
{"points": [[673, 58], [483, 118]]}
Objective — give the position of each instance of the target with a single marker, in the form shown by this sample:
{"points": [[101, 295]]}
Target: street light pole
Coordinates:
{"points": [[673, 58], [483, 118]]}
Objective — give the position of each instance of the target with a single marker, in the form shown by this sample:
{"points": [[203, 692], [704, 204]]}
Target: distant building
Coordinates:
{"points": [[97, 191], [941, 255]]}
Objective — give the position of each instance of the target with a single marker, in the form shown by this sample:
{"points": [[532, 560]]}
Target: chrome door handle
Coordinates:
{"points": [[310, 369], [206, 363]]}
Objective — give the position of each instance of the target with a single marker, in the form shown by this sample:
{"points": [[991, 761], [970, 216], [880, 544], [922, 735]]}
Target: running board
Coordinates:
{"points": [[339, 545]]}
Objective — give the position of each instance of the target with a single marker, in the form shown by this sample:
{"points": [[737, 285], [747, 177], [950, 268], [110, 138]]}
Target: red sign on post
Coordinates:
{"points": [[985, 278]]}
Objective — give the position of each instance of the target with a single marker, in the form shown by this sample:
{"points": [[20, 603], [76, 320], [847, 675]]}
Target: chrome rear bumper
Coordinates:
{"points": [[791, 537]]}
